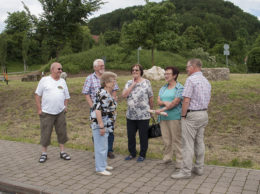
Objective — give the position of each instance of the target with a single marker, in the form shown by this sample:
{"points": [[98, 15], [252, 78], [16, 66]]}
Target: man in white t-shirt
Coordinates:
{"points": [[52, 98]]}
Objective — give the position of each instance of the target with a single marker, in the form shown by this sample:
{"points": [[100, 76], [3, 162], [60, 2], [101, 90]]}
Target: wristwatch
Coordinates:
{"points": [[184, 115]]}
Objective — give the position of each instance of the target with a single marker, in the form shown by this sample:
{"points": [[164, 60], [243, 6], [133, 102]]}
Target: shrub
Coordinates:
{"points": [[117, 57], [253, 61]]}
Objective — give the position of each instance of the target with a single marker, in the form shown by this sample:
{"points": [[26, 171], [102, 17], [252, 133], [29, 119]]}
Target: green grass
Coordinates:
{"points": [[232, 137], [17, 66]]}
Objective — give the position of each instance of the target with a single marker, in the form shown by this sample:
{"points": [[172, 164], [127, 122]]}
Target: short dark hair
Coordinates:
{"points": [[175, 71], [140, 67]]}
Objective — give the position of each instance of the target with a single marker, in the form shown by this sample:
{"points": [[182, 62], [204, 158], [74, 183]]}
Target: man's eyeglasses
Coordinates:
{"points": [[60, 69]]}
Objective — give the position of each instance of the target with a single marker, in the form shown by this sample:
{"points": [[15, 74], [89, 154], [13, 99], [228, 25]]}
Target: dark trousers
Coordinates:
{"points": [[110, 142], [142, 127]]}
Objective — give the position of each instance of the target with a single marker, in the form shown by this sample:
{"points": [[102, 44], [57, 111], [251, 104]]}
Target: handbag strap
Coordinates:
{"points": [[153, 120]]}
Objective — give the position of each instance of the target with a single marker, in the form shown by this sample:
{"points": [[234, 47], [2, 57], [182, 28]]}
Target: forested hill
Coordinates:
{"points": [[112, 21], [217, 18]]}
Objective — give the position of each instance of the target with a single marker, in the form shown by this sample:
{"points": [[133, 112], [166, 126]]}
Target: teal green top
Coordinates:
{"points": [[169, 95]]}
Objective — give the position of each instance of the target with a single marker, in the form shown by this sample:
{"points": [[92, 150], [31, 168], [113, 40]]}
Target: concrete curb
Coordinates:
{"points": [[22, 188], [13, 186]]}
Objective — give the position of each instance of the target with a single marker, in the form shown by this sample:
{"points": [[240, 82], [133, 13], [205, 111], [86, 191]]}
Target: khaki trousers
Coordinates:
{"points": [[193, 140], [171, 135]]}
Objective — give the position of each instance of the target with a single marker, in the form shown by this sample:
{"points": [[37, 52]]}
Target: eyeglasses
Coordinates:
{"points": [[135, 70], [60, 69], [167, 74]]}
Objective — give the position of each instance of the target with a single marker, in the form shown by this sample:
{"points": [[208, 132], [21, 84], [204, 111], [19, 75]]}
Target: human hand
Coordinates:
{"points": [[167, 104], [39, 112], [157, 111], [134, 81], [102, 131]]}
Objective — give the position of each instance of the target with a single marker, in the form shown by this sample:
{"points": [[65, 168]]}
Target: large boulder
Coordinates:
{"points": [[63, 75], [216, 74], [155, 73]]}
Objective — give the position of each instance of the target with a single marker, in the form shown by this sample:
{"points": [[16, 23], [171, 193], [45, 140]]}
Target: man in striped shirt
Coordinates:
{"points": [[197, 92], [90, 88]]}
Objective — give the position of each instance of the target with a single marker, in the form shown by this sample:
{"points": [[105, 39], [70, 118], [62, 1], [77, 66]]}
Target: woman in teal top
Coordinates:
{"points": [[169, 100]]}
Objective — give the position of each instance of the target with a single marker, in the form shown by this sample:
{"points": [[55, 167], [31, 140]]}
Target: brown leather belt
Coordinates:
{"points": [[196, 110]]}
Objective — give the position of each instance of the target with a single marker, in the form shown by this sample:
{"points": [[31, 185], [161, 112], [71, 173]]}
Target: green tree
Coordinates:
{"points": [[87, 40], [152, 20], [253, 61], [17, 22], [238, 50], [17, 25], [195, 38], [62, 18], [3, 50], [112, 37], [101, 40], [257, 42], [25, 49]]}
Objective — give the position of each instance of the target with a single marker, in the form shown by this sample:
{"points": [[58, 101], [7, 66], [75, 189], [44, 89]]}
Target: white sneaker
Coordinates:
{"points": [[197, 171], [180, 175], [109, 168], [105, 173], [166, 161]]}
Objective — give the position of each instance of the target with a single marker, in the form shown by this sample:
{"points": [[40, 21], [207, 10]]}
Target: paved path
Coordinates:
{"points": [[21, 172]]}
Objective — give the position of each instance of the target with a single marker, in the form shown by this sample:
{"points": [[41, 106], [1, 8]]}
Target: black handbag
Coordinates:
{"points": [[154, 130]]}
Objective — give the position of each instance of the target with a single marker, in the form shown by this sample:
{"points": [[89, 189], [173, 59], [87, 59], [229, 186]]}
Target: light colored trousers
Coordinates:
{"points": [[100, 148], [193, 140], [171, 135]]}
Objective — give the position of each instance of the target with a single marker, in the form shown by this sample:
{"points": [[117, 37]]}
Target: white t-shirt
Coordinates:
{"points": [[53, 94]]}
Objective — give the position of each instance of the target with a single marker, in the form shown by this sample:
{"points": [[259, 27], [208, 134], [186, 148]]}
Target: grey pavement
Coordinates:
{"points": [[20, 172]]}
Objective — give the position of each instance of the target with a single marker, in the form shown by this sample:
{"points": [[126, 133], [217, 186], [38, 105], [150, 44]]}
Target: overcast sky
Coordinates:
{"points": [[250, 6]]}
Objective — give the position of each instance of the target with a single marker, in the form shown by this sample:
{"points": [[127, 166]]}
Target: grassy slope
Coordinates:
{"points": [[18, 66], [232, 136]]}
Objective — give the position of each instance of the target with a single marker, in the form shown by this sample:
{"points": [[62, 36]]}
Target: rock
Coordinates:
{"points": [[216, 74], [63, 75], [155, 73]]}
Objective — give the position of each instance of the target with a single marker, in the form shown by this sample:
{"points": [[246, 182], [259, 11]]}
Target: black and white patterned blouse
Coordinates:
{"points": [[107, 105], [138, 100]]}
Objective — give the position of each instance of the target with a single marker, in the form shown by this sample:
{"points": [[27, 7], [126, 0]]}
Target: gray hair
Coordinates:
{"points": [[196, 62], [97, 61], [53, 65], [107, 77]]}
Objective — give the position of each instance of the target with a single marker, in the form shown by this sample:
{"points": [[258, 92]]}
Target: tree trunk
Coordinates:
{"points": [[24, 65], [152, 56]]}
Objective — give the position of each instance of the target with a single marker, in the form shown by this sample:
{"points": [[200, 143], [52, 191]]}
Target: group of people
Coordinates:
{"points": [[182, 128]]}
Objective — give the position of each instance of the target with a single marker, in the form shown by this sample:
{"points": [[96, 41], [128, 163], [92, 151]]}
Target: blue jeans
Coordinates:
{"points": [[100, 148], [110, 142]]}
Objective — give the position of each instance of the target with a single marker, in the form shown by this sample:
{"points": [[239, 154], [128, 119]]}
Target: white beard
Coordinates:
{"points": [[101, 71]]}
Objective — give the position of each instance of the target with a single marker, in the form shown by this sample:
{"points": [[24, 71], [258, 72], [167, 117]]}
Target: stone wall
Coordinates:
{"points": [[32, 77], [216, 74]]}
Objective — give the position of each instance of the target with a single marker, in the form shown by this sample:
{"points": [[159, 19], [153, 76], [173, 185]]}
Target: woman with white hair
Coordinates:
{"points": [[103, 116]]}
